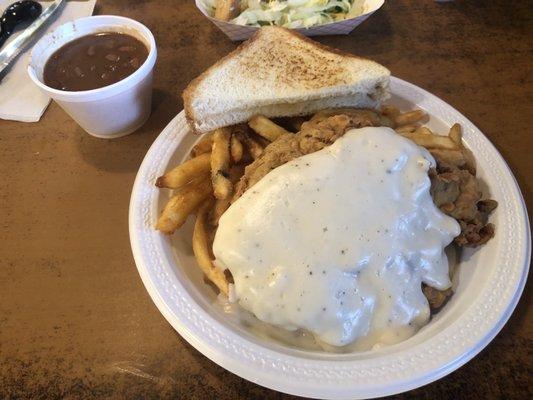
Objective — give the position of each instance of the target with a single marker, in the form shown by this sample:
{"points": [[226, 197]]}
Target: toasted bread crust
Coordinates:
{"points": [[190, 91]]}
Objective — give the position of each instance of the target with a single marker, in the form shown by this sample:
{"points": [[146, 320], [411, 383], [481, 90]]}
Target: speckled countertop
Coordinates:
{"points": [[75, 319]]}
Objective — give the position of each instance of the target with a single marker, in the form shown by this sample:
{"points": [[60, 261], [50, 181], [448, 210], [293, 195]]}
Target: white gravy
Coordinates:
{"points": [[338, 242]]}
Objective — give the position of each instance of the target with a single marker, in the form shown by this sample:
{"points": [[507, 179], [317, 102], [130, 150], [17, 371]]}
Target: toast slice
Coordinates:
{"points": [[279, 73]]}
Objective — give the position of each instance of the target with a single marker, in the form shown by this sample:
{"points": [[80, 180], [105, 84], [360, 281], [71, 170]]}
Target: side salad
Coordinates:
{"points": [[292, 13]]}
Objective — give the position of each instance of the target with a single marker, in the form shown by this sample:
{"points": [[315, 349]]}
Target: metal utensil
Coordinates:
{"points": [[8, 53], [16, 14]]}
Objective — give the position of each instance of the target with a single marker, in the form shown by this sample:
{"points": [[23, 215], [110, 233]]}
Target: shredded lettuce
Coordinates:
{"points": [[293, 13]]}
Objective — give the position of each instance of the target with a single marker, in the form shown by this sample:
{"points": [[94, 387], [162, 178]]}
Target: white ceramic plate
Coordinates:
{"points": [[488, 285]]}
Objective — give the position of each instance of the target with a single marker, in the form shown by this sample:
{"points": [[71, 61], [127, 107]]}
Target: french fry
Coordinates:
{"points": [[253, 146], [456, 134], [266, 128], [182, 204], [226, 9], [431, 141], [409, 117], [220, 207], [220, 161], [203, 146], [236, 149], [235, 174], [186, 172], [200, 247], [391, 112], [423, 131], [407, 129], [368, 115]]}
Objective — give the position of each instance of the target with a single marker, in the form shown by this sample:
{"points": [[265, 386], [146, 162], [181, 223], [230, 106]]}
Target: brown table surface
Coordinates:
{"points": [[75, 319]]}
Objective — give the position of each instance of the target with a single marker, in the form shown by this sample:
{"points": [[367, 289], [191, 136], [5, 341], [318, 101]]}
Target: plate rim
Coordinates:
{"points": [[283, 383]]}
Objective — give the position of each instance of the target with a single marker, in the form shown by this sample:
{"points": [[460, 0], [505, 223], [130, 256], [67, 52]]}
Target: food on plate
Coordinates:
{"points": [[236, 149], [266, 128], [286, 13], [279, 73], [203, 146], [332, 221], [200, 246], [220, 162], [314, 135], [94, 61], [189, 170], [182, 204], [255, 148], [325, 242]]}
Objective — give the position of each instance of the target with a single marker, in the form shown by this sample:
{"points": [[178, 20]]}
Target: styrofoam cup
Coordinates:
{"points": [[111, 111]]}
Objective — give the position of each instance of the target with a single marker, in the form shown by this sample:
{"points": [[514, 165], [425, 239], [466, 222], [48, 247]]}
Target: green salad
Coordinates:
{"points": [[293, 13]]}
